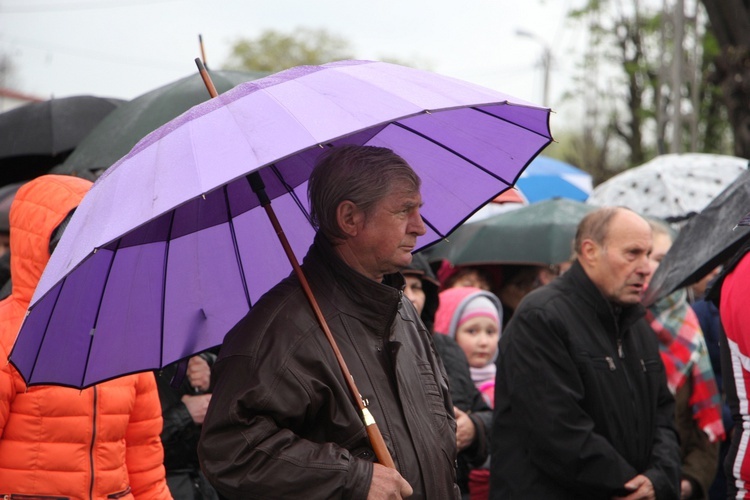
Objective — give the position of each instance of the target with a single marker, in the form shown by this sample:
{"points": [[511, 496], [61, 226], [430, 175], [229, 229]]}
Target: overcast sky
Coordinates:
{"points": [[124, 48]]}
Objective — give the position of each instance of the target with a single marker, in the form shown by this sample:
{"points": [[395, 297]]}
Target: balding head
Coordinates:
{"points": [[613, 245]]}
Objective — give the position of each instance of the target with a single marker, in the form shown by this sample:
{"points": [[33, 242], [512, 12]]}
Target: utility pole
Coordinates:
{"points": [[546, 63], [678, 22]]}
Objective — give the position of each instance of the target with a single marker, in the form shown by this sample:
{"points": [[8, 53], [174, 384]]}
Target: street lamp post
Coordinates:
{"points": [[546, 63]]}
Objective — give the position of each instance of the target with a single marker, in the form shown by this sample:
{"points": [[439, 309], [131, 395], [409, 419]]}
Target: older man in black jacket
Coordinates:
{"points": [[582, 409]]}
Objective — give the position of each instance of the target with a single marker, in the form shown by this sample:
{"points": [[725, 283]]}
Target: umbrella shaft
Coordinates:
{"points": [[373, 432]]}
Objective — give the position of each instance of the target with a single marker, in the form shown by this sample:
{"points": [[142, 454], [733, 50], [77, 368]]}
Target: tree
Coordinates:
{"points": [[273, 51], [653, 66], [730, 23]]}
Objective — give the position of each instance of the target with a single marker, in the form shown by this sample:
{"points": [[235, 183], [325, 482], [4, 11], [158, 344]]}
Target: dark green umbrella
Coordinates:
{"points": [[116, 135], [541, 234]]}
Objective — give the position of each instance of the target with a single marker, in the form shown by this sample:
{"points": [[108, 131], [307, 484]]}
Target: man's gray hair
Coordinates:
{"points": [[595, 227], [363, 175]]}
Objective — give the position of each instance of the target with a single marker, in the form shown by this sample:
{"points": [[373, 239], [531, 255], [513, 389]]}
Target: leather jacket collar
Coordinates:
{"points": [[374, 303]]}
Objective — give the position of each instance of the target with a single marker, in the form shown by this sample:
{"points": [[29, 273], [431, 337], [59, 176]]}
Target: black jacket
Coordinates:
{"points": [[581, 401], [282, 423], [467, 398], [179, 434]]}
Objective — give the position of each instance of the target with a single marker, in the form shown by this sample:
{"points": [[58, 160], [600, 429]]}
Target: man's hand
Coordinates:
{"points": [[465, 430], [199, 373], [387, 483], [197, 406], [641, 488]]}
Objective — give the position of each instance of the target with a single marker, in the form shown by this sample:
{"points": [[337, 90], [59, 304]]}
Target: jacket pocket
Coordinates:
{"points": [[606, 363], [120, 494], [433, 394], [586, 362]]}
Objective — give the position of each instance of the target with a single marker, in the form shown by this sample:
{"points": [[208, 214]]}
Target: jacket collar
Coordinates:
{"points": [[622, 317], [348, 291]]}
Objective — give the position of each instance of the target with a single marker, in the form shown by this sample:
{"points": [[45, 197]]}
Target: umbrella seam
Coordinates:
{"points": [[46, 329], [164, 284], [292, 193], [454, 152], [237, 254], [98, 310], [510, 122]]}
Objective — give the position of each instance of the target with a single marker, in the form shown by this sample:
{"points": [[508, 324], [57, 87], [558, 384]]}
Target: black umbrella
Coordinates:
{"points": [[706, 241], [7, 195], [35, 137], [116, 135]]}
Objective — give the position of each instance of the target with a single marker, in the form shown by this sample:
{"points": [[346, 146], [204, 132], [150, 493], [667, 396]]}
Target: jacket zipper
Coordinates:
{"points": [[621, 355], [93, 440]]}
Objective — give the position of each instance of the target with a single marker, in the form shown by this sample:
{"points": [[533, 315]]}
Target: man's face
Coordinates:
{"points": [[620, 268], [388, 234], [414, 291], [662, 244]]}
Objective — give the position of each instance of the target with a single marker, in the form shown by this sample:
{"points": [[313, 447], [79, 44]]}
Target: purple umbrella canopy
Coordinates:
{"points": [[171, 247]]}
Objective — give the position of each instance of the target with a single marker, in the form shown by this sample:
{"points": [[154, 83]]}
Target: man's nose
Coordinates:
{"points": [[417, 225], [644, 267]]}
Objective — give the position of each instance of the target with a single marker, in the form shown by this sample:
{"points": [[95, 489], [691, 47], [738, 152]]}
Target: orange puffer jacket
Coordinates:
{"points": [[102, 442]]}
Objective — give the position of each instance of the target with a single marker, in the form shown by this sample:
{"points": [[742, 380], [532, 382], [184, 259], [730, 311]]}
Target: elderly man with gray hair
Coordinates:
{"points": [[281, 422], [582, 408]]}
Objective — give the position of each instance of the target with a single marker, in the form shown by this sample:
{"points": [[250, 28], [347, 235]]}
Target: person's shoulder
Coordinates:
{"points": [[546, 297], [447, 347], [281, 314]]}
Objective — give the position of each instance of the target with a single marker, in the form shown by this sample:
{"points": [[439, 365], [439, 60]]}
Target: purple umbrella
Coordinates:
{"points": [[171, 247]]}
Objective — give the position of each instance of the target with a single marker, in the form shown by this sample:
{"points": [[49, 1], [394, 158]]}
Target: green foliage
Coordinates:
{"points": [[629, 109], [273, 51]]}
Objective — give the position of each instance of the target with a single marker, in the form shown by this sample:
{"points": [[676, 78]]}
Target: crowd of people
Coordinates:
{"points": [[518, 381]]}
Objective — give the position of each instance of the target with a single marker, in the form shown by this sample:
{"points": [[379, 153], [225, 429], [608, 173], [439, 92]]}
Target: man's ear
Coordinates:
{"points": [[589, 251], [349, 217]]}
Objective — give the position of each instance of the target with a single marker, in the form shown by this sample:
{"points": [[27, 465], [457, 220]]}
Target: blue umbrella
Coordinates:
{"points": [[547, 178]]}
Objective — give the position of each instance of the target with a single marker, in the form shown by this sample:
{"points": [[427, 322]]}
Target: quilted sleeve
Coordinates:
{"points": [[7, 388], [144, 453]]}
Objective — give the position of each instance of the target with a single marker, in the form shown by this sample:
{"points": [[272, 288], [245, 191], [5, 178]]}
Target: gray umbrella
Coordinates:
{"points": [[707, 240], [672, 187]]}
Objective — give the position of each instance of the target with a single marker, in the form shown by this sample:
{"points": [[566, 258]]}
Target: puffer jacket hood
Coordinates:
{"points": [[57, 442], [452, 304], [38, 208]]}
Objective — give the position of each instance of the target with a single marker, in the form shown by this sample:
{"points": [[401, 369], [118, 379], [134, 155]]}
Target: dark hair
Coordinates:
{"points": [[58, 231], [363, 175]]}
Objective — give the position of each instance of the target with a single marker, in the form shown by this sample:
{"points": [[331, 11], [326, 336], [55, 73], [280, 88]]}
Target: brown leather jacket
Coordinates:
{"points": [[282, 424]]}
